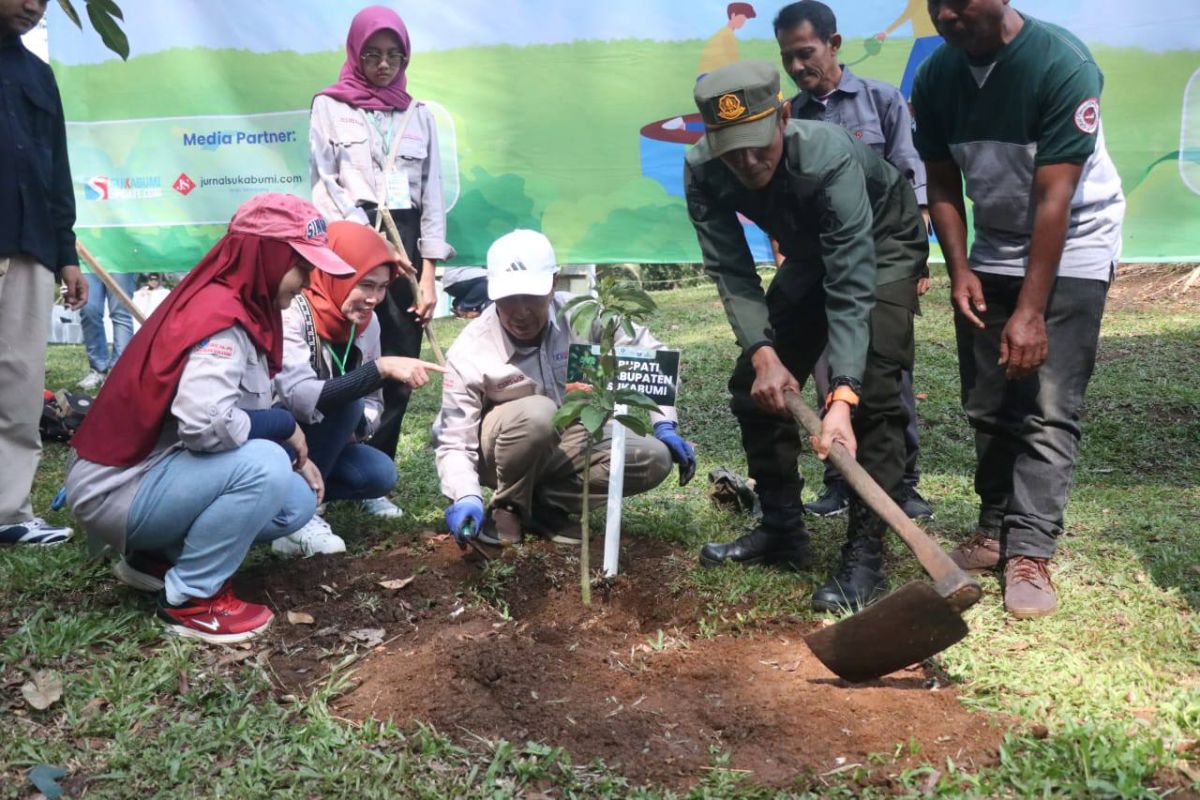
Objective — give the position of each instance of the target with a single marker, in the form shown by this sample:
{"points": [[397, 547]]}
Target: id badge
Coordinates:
{"points": [[398, 196]]}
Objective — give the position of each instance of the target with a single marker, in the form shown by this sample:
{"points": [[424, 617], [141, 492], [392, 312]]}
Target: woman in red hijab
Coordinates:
{"points": [[373, 147], [182, 462], [332, 377]]}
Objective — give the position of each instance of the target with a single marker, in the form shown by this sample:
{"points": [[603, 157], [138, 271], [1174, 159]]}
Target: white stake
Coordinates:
{"points": [[616, 488]]}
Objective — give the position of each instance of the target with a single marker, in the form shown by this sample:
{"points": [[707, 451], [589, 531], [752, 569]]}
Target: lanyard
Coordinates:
{"points": [[385, 132], [341, 362]]}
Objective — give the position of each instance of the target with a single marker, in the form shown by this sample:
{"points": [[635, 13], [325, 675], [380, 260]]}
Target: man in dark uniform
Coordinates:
{"points": [[877, 114], [854, 244]]}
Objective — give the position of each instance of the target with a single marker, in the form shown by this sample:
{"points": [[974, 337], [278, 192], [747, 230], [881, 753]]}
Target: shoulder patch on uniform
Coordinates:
{"points": [[207, 347], [1087, 116]]}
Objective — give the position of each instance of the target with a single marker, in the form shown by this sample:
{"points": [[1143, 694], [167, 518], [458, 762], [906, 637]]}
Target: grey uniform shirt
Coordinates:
{"points": [[484, 369], [876, 114], [298, 385], [224, 374], [348, 156]]}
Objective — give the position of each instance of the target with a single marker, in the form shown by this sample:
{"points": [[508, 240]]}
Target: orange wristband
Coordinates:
{"points": [[844, 393]]}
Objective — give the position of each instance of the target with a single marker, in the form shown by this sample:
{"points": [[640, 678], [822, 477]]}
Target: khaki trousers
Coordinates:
{"points": [[530, 464], [26, 296]]}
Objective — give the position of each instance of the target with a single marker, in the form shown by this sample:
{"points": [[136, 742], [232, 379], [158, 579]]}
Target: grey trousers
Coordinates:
{"points": [[1027, 430], [529, 463], [26, 296]]}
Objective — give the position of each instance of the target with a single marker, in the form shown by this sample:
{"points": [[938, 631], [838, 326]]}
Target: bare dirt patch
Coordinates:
{"points": [[1142, 286], [629, 680]]}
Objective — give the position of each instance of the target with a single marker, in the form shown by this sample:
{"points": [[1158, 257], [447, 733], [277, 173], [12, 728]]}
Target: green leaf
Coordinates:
{"points": [[635, 399], [71, 13], [635, 424], [108, 7], [593, 419], [576, 302], [627, 324], [581, 323], [110, 32], [567, 414]]}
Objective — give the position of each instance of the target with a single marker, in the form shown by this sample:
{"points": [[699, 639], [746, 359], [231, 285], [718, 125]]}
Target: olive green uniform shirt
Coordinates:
{"points": [[837, 210]]}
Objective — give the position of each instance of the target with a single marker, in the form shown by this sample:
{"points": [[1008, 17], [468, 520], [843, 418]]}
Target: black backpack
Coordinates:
{"points": [[62, 414]]}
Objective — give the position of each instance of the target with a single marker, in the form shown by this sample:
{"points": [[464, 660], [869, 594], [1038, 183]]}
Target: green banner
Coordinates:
{"points": [[566, 117]]}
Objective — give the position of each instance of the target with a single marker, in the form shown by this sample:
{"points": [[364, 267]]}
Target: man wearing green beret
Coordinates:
{"points": [[854, 246]]}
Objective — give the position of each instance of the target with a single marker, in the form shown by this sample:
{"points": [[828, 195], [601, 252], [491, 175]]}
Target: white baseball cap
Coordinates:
{"points": [[521, 262]]}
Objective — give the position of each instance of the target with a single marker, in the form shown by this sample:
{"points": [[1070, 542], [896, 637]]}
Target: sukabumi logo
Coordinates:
{"points": [[125, 187]]}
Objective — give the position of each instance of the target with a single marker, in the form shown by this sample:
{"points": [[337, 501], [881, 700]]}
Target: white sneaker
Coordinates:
{"points": [[382, 507], [91, 382], [35, 531], [315, 538]]}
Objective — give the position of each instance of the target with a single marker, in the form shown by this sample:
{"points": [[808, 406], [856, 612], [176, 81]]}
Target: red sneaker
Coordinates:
{"points": [[220, 619]]}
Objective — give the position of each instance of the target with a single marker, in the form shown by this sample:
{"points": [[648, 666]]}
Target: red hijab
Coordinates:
{"points": [[353, 87], [236, 282], [360, 247]]}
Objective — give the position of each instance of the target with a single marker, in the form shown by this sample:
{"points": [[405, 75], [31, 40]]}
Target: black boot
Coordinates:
{"points": [[859, 579], [786, 549]]}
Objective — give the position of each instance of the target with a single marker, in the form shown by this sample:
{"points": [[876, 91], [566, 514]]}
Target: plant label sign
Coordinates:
{"points": [[654, 373]]}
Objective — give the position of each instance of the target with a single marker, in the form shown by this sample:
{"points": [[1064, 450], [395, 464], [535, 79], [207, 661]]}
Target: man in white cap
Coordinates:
{"points": [[505, 378]]}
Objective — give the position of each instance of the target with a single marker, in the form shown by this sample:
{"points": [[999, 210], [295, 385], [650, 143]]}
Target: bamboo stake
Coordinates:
{"points": [[108, 281], [390, 225]]}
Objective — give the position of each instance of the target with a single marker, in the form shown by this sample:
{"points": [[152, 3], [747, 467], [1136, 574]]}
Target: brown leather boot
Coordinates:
{"points": [[1028, 590], [978, 554]]}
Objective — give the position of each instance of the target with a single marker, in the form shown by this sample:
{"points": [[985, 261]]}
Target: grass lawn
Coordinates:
{"points": [[1108, 690]]}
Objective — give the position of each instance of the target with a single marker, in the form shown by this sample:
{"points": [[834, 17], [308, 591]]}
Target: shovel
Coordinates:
{"points": [[909, 625]]}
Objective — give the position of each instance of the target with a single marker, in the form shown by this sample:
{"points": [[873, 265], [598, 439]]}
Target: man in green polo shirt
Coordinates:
{"points": [[854, 245], [1012, 104]]}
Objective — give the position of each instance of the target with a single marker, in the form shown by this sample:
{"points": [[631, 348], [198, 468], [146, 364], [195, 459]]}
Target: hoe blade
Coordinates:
{"points": [[906, 627]]}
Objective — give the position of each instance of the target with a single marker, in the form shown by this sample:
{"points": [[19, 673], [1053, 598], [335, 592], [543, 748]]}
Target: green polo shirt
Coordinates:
{"points": [[835, 208], [1036, 103]]}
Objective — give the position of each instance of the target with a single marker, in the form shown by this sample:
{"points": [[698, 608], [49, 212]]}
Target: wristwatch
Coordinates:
{"points": [[848, 390]]}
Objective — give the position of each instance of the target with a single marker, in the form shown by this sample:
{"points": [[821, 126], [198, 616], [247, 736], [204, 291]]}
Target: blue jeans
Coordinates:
{"points": [[204, 510], [352, 471], [470, 295], [92, 320]]}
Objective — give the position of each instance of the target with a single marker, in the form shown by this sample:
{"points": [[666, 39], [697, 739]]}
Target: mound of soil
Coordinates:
{"points": [[629, 680]]}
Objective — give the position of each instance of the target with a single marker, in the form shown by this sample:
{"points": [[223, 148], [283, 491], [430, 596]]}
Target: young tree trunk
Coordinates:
{"points": [[585, 576]]}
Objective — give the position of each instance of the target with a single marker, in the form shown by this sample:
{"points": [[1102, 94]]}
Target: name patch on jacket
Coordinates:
{"points": [[208, 347]]}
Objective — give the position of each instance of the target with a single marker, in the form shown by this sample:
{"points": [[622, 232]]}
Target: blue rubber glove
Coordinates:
{"points": [[464, 517], [682, 453]]}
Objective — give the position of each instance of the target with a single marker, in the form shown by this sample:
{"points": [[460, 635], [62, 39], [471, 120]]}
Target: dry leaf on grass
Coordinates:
{"points": [[931, 781], [235, 657], [397, 583], [299, 618], [368, 636], [44, 690]]}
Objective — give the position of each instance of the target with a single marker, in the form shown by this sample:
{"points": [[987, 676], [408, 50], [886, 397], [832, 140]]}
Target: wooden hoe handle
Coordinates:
{"points": [[959, 588]]}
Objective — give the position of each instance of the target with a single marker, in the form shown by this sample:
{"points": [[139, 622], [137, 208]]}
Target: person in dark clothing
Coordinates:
{"points": [[877, 114], [854, 244], [37, 247]]}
